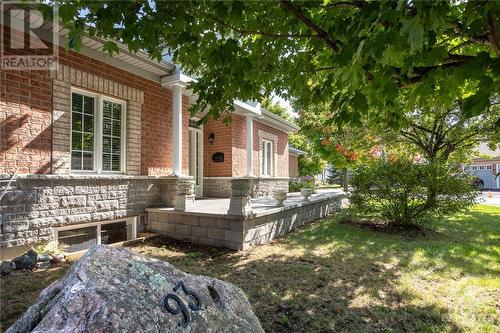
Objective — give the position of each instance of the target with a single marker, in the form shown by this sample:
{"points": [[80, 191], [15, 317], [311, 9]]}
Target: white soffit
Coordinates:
{"points": [[137, 63], [242, 108], [176, 78], [276, 121]]}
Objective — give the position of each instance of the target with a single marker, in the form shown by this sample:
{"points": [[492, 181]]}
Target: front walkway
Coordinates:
{"points": [[491, 198]]}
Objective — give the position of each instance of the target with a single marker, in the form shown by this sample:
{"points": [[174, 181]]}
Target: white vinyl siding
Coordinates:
{"points": [[97, 133], [267, 158]]}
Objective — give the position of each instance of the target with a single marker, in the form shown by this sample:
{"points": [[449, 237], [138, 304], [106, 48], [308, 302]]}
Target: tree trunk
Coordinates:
{"points": [[345, 180]]}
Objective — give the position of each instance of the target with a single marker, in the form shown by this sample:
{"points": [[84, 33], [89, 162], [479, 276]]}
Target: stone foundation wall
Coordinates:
{"points": [[264, 187], [220, 187], [237, 232], [262, 229], [197, 228], [217, 187], [35, 204]]}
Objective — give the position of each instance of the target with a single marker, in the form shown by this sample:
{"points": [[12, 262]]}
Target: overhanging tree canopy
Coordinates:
{"points": [[438, 133], [349, 55]]}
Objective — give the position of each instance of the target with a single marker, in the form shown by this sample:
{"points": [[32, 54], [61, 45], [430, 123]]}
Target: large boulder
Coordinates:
{"points": [[115, 290]]}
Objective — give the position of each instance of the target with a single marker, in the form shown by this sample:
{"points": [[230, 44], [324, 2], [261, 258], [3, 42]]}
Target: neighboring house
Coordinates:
{"points": [[101, 139], [325, 174], [293, 169], [486, 168]]}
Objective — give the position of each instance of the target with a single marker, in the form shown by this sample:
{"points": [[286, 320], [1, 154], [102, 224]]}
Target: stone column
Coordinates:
{"points": [[184, 193], [249, 145], [177, 128], [178, 192], [239, 203]]}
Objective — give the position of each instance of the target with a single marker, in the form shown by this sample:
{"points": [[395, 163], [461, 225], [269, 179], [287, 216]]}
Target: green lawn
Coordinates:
{"points": [[331, 276]]}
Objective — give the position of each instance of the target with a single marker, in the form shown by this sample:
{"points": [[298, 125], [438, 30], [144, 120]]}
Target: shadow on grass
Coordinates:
{"points": [[327, 276], [466, 242], [341, 292], [335, 277], [18, 291]]}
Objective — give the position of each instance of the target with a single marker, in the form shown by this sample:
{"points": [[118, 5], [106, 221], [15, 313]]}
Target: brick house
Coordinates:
{"points": [[92, 145], [293, 163]]}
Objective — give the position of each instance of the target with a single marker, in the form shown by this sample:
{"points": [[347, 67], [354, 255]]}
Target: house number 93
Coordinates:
{"points": [[175, 305]]}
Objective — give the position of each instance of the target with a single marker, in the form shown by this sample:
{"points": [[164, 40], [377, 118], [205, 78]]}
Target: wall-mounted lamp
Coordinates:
{"points": [[211, 138]]}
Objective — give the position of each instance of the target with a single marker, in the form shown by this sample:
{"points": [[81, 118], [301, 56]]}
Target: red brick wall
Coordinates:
{"points": [[156, 117], [222, 143], [25, 129], [239, 129], [25, 121], [232, 141], [293, 166], [156, 134], [281, 159]]}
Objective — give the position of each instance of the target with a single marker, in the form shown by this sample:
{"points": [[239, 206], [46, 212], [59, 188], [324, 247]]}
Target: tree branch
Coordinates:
{"points": [[258, 32], [423, 129], [324, 68], [414, 138], [453, 60], [321, 33], [354, 3], [463, 44]]}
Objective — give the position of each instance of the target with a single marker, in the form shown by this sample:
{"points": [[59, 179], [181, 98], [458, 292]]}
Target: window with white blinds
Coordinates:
{"points": [[82, 132], [111, 136], [266, 168], [97, 133]]}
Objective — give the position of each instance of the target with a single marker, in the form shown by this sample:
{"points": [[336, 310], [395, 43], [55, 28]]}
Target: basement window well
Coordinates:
{"points": [[82, 237]]}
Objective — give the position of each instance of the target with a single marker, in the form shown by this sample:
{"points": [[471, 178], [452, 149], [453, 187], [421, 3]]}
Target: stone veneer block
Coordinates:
{"points": [[240, 232], [40, 203], [220, 187]]}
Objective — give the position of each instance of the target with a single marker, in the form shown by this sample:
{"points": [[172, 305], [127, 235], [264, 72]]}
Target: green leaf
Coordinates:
{"points": [[75, 40], [476, 104], [354, 75], [415, 31], [110, 47], [358, 102]]}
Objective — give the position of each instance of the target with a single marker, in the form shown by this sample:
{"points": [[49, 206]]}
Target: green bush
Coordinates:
{"points": [[403, 192], [295, 185]]}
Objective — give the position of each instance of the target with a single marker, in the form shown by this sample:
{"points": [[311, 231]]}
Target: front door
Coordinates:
{"points": [[195, 159]]}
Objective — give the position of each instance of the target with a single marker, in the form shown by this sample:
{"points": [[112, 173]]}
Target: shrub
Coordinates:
{"points": [[406, 193], [295, 185]]}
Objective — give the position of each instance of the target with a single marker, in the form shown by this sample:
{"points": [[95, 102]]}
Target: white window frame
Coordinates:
{"points": [[129, 221], [265, 170], [199, 131], [95, 97], [489, 167], [98, 121]]}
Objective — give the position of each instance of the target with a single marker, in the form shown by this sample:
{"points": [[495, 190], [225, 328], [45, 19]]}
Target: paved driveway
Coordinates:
{"points": [[491, 198]]}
